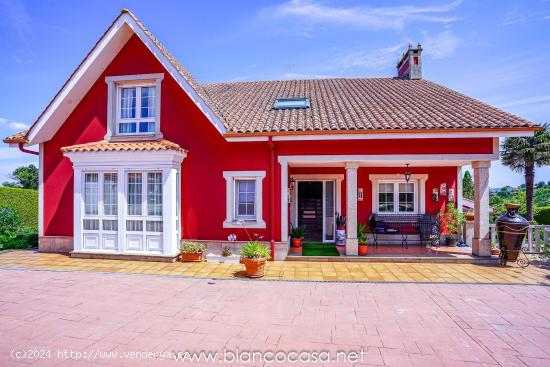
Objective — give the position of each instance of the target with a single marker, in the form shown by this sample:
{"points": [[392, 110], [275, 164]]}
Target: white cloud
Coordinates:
{"points": [[381, 58], [362, 16], [526, 101], [13, 125], [517, 16], [441, 45]]}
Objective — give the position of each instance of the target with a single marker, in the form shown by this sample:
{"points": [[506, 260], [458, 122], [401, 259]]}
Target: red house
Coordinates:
{"points": [[136, 155]]}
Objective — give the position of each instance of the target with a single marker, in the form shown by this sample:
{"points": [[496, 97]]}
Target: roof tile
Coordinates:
{"points": [[123, 146]]}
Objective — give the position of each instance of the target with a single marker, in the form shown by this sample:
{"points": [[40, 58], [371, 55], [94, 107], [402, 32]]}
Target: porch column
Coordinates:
{"points": [[351, 208], [284, 200], [481, 243]]}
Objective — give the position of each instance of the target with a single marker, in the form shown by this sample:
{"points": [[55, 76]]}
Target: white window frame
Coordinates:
{"points": [[231, 220], [419, 181], [395, 184], [115, 85]]}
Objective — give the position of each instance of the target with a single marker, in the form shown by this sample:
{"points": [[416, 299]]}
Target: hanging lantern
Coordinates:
{"points": [[407, 174]]}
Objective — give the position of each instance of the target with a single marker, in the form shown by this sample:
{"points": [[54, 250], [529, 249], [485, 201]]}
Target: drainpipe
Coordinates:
{"points": [[272, 196], [21, 148]]}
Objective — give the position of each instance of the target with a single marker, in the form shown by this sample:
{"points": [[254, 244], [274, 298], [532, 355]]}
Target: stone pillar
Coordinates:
{"points": [[284, 200], [351, 208], [481, 243]]}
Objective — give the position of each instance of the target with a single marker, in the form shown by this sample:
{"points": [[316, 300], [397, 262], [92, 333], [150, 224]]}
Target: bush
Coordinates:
{"points": [[24, 202], [188, 247], [297, 232], [542, 215], [255, 250], [13, 234]]}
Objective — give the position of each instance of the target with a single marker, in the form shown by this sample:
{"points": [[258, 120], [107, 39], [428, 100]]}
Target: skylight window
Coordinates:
{"points": [[291, 103]]}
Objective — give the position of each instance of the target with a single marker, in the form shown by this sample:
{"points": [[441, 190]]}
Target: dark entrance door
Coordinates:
{"points": [[310, 209]]}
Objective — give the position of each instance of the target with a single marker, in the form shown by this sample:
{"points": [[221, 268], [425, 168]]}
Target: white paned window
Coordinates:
{"points": [[91, 193], [406, 197], [397, 197], [137, 110], [110, 191], [244, 199], [134, 193], [154, 193], [385, 198]]}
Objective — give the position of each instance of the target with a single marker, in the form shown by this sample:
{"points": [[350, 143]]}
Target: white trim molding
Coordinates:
{"points": [[166, 162], [230, 218], [393, 135], [40, 190], [114, 83], [420, 189]]}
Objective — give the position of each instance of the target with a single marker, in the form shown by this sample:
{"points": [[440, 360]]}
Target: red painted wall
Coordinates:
{"points": [[203, 185]]}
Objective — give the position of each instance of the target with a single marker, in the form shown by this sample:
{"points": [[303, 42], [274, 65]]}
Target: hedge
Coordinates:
{"points": [[542, 215], [24, 202]]}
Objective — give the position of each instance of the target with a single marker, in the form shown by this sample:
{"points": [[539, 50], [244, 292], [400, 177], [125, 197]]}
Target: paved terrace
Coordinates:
{"points": [[286, 270], [395, 324]]}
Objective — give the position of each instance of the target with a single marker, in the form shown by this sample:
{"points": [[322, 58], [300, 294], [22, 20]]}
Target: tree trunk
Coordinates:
{"points": [[529, 181]]}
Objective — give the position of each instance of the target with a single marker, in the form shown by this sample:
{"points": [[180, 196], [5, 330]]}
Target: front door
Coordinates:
{"points": [[310, 209]]}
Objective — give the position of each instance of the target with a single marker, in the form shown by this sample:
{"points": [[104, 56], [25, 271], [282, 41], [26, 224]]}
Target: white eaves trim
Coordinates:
{"points": [[93, 66]]}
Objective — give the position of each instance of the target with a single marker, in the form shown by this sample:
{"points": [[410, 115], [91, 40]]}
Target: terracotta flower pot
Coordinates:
{"points": [[187, 257], [255, 268], [296, 242], [363, 249], [470, 217], [495, 251]]}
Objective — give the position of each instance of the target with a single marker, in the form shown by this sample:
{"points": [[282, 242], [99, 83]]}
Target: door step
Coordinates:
{"points": [[450, 259]]}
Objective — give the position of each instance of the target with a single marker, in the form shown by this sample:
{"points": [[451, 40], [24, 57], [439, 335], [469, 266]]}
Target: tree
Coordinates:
{"points": [[468, 186], [25, 177], [523, 154]]}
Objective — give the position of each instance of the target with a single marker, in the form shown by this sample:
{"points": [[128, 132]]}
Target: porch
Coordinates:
{"points": [[315, 189]]}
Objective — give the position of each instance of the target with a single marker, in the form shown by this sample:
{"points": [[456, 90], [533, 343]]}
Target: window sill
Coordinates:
{"points": [[246, 224], [135, 137]]}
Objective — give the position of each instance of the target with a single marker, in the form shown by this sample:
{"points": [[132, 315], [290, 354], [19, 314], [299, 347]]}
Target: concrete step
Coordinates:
{"points": [[441, 259]]}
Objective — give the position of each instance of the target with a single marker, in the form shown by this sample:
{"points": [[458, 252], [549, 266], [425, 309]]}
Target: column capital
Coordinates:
{"points": [[352, 165], [481, 164]]}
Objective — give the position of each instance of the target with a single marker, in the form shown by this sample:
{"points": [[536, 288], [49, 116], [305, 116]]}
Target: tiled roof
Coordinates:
{"points": [[364, 104], [123, 146], [20, 137]]}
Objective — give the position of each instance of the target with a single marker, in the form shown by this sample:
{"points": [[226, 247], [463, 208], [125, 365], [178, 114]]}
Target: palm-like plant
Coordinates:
{"points": [[523, 154]]}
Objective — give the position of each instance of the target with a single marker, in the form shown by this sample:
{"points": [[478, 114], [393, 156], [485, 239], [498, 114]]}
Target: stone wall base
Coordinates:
{"points": [[61, 244], [128, 257], [216, 247]]}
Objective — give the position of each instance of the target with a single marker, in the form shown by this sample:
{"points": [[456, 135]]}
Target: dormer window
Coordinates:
{"points": [[134, 107]]}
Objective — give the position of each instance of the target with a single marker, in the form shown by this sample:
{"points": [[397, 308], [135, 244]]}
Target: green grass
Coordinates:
{"points": [[319, 249], [24, 202]]}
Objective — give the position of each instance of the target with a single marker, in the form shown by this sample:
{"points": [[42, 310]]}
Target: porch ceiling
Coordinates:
{"points": [[377, 163]]}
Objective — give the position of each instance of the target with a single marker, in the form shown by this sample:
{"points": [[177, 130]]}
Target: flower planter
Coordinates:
{"points": [[470, 217], [451, 241], [188, 257], [511, 230], [495, 251], [255, 268], [296, 242], [363, 249]]}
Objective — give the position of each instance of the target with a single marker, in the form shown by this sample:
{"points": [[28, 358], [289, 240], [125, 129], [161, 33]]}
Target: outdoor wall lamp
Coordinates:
{"points": [[407, 173]]}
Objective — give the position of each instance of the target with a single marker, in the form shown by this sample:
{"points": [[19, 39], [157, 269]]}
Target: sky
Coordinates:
{"points": [[495, 51]]}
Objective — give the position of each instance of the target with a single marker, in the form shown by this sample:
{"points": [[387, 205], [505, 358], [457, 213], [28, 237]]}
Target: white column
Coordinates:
{"points": [[351, 208], [284, 200], [169, 206], [121, 200], [481, 243], [77, 207]]}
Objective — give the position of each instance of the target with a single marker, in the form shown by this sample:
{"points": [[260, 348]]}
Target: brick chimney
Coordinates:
{"points": [[410, 65]]}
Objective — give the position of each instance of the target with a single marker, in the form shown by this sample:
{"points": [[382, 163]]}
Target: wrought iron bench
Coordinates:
{"points": [[425, 225]]}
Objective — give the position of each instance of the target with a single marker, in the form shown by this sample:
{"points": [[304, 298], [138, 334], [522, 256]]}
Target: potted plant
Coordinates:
{"points": [[254, 255], [226, 251], [469, 216], [191, 251], [362, 238], [340, 229], [452, 219], [297, 234], [495, 250]]}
